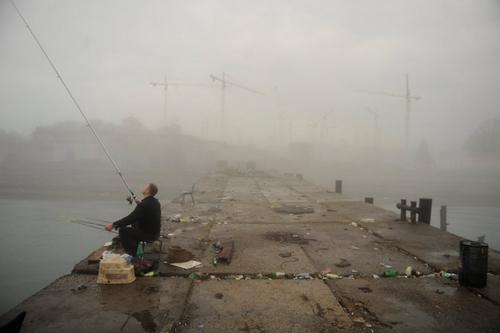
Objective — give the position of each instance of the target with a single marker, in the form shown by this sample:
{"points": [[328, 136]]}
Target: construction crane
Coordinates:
{"points": [[408, 97], [323, 122], [223, 84], [165, 84]]}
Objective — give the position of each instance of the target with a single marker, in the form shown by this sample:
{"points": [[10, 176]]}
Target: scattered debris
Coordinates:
{"points": [[365, 289], [277, 275], [390, 273], [354, 247], [343, 263], [367, 220], [333, 276], [81, 288], [286, 254], [358, 320], [178, 254], [176, 218], [385, 265], [354, 224], [96, 256], [409, 271], [186, 265], [303, 276], [219, 295], [447, 275], [226, 251], [234, 277]]}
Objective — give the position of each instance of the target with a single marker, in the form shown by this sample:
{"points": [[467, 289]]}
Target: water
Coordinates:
{"points": [[473, 202], [38, 242], [466, 221]]}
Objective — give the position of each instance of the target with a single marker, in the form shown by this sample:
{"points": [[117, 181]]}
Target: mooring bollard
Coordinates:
{"points": [[424, 210], [442, 221], [413, 211], [338, 186], [402, 206], [369, 200]]}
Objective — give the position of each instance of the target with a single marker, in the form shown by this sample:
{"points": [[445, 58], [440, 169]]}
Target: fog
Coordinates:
{"points": [[313, 64]]}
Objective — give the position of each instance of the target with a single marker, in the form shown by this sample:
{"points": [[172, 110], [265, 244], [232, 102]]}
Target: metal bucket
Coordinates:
{"points": [[473, 264]]}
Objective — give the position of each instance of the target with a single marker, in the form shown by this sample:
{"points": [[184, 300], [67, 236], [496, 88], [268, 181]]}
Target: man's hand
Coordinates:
{"points": [[109, 227]]}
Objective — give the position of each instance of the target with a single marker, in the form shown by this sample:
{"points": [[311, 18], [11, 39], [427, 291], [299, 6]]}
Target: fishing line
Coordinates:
{"points": [[75, 102]]}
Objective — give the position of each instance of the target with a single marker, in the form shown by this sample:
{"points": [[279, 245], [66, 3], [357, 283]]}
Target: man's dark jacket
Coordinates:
{"points": [[146, 217]]}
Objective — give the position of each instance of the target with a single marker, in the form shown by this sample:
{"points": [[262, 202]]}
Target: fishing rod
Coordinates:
{"points": [[75, 102], [97, 220], [93, 226], [90, 222]]}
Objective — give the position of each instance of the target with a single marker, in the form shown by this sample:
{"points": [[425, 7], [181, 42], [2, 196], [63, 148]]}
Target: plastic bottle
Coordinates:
{"points": [[391, 273], [140, 251]]}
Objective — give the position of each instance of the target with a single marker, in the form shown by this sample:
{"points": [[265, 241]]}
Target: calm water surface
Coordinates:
{"points": [[38, 242]]}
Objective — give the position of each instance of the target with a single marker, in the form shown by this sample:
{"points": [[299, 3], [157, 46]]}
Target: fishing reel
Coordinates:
{"points": [[131, 200]]}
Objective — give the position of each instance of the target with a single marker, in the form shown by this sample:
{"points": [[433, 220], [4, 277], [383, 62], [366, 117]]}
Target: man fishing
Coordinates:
{"points": [[143, 224]]}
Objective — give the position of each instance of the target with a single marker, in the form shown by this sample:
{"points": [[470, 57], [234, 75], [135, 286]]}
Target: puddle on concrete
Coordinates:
{"points": [[287, 237], [146, 319]]}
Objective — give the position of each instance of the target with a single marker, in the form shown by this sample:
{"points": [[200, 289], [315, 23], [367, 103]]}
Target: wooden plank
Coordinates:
{"points": [[226, 254], [95, 256]]}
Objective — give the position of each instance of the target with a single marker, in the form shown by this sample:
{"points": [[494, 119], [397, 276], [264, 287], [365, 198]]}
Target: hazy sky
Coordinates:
{"points": [[317, 52]]}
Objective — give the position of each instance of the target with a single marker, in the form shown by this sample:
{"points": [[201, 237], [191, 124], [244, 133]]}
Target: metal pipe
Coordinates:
{"points": [[338, 186], [443, 223]]}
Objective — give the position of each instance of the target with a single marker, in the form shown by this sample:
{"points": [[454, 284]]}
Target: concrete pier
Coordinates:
{"points": [[280, 224]]}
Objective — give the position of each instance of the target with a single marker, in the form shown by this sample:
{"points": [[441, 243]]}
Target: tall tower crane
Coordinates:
{"points": [[165, 84], [223, 84], [322, 123], [408, 97]]}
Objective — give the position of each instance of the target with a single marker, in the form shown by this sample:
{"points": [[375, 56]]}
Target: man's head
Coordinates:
{"points": [[150, 190]]}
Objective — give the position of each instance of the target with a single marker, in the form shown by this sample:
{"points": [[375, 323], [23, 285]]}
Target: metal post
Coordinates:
{"points": [[425, 210], [413, 212], [338, 186], [403, 211], [369, 200], [443, 218]]}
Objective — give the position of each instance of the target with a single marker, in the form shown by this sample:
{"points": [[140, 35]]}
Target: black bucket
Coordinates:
{"points": [[473, 264]]}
